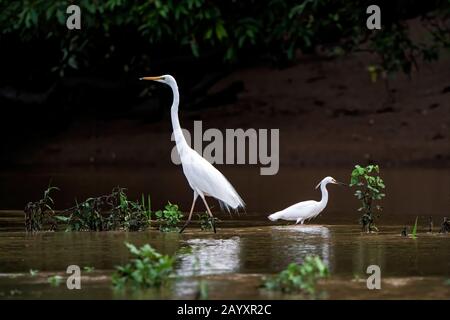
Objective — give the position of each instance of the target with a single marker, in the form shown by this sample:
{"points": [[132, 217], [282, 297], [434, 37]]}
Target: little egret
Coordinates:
{"points": [[306, 210], [204, 179]]}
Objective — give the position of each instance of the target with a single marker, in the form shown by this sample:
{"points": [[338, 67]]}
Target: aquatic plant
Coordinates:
{"points": [[108, 212], [404, 232], [40, 213], [169, 218], [149, 268], [88, 269], [414, 230], [15, 292], [33, 272], [445, 227], [55, 281], [370, 189], [206, 222], [299, 277]]}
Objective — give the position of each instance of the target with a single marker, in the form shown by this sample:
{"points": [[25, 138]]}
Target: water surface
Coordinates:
{"points": [[232, 262]]}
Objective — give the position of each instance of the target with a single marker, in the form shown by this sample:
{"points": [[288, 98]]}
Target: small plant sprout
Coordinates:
{"points": [[148, 269], [370, 189], [445, 227], [299, 277], [33, 272], [414, 230], [169, 218], [55, 281], [88, 269]]}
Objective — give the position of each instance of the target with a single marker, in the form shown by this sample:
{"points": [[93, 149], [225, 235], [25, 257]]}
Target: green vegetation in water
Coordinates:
{"points": [[299, 277], [15, 292], [88, 269], [206, 222], [40, 214], [169, 218], [108, 212], [33, 272], [414, 230], [445, 227], [55, 281], [148, 269], [370, 187]]}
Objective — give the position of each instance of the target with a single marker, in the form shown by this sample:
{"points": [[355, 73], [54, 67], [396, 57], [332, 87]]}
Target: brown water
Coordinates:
{"points": [[411, 192], [231, 262]]}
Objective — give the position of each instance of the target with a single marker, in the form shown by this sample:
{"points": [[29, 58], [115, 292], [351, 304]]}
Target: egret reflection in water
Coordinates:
{"points": [[210, 256], [299, 241]]}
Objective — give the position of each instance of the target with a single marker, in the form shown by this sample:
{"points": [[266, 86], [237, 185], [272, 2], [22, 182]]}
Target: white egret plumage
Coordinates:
{"points": [[203, 178], [306, 210]]}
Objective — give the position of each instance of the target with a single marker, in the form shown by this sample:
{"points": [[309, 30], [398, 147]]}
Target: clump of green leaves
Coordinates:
{"points": [[169, 218], [206, 222], [370, 189], [40, 213], [108, 212], [299, 277], [148, 269], [55, 281]]}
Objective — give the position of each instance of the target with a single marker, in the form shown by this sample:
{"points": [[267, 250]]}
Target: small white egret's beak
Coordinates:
{"points": [[341, 183], [151, 78]]}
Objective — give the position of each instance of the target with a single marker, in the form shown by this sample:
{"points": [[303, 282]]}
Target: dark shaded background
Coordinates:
{"points": [[83, 121]]}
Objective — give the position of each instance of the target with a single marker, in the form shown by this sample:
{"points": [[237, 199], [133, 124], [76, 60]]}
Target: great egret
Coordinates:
{"points": [[306, 210], [204, 179]]}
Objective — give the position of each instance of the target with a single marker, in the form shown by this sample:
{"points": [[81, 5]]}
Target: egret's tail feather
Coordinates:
{"points": [[232, 205]]}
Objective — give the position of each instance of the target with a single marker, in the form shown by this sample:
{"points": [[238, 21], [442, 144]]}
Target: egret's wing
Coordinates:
{"points": [[203, 177], [301, 209]]}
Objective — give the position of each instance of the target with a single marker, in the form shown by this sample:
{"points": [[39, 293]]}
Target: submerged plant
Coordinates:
{"points": [[55, 281], [299, 277], [40, 213], [169, 218], [149, 268], [370, 189], [108, 212], [206, 222]]}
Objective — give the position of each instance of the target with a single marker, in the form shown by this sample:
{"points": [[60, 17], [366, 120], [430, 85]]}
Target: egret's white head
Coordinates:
{"points": [[328, 180], [166, 78]]}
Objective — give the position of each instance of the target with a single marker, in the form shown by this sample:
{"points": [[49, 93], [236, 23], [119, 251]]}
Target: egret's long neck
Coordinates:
{"points": [[324, 200], [178, 134]]}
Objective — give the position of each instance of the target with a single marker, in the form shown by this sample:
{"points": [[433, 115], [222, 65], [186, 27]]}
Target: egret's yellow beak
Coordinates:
{"points": [[151, 78]]}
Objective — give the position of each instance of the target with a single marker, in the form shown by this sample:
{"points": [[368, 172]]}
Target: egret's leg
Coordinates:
{"points": [[190, 213], [210, 214]]}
